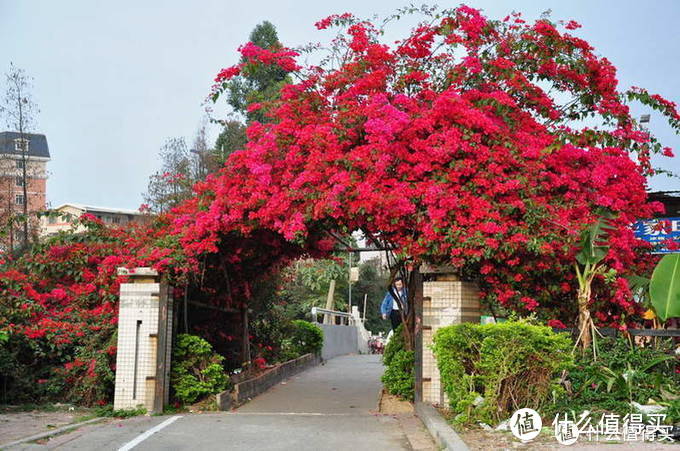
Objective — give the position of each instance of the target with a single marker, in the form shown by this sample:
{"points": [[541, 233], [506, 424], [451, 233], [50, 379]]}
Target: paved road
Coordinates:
{"points": [[329, 407]]}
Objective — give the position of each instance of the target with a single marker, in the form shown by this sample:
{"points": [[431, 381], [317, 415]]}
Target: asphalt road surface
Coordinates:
{"points": [[328, 407]]}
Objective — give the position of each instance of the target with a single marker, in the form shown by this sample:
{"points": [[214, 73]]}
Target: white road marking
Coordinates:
{"points": [[140, 438]]}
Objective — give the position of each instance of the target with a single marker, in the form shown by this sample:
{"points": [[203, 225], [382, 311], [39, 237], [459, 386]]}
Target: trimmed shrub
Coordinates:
{"points": [[393, 346], [488, 371], [196, 370], [399, 375], [304, 338]]}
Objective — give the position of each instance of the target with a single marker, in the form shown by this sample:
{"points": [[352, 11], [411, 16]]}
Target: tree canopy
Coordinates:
{"points": [[485, 144]]}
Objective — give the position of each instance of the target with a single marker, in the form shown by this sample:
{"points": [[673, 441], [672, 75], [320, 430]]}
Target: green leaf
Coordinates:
{"points": [[655, 362], [594, 241], [637, 283], [664, 289], [668, 395]]}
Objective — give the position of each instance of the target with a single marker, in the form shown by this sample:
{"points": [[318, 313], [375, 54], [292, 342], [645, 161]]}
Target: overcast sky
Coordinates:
{"points": [[114, 80]]}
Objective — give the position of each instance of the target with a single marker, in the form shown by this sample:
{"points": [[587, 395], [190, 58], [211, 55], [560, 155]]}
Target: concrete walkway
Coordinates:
{"points": [[347, 385], [328, 407]]}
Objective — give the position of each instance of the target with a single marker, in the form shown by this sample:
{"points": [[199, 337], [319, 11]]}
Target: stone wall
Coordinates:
{"points": [[363, 335]]}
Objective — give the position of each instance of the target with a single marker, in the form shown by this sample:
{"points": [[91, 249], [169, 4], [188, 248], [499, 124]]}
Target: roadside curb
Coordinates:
{"points": [[440, 430], [51, 433]]}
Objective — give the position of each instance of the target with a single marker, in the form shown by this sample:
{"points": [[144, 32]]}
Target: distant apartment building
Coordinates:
{"points": [[16, 151], [67, 215]]}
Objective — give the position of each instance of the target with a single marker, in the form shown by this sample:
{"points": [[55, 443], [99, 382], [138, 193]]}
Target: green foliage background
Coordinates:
{"points": [[622, 373], [303, 338], [196, 370]]}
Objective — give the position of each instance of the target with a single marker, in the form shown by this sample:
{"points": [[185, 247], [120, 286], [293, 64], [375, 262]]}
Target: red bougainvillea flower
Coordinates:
{"points": [[556, 323], [461, 143]]}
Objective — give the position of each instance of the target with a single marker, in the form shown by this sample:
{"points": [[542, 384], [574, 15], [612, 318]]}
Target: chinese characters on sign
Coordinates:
{"points": [[611, 427], [659, 232], [526, 424]]}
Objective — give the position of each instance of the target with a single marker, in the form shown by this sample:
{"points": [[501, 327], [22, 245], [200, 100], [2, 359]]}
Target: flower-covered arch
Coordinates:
{"points": [[484, 144]]}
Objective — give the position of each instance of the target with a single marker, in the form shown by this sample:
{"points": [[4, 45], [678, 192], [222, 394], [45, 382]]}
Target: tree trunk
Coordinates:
{"points": [[409, 319], [23, 156], [584, 321], [245, 349], [24, 182]]}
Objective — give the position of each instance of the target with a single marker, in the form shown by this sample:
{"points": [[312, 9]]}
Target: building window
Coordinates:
{"points": [[20, 182], [115, 219], [19, 199], [52, 219], [21, 145], [20, 164]]}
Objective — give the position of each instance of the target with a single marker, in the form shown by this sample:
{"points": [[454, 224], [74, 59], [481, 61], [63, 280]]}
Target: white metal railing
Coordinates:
{"points": [[329, 316]]}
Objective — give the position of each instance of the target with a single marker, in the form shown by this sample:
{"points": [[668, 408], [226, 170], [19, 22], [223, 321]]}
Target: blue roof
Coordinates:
{"points": [[37, 144]]}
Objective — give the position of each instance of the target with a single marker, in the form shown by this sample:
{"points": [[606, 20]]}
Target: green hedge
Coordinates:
{"points": [[304, 338], [399, 375], [488, 371]]}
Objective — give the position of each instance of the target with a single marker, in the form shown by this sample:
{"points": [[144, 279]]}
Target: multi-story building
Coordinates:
{"points": [[67, 215], [16, 151]]}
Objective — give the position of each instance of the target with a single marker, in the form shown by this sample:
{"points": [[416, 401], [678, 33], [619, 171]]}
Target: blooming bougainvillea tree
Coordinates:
{"points": [[59, 314], [484, 144]]}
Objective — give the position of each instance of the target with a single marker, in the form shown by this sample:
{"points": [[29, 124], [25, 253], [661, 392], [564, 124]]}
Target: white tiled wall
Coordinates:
{"points": [[450, 302]]}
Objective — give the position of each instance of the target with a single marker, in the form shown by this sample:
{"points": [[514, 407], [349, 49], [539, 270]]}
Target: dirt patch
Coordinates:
{"points": [[479, 439], [418, 437], [16, 424], [392, 405]]}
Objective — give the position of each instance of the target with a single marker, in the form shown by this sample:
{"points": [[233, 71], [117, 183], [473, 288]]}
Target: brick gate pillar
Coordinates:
{"points": [[446, 300], [144, 341]]}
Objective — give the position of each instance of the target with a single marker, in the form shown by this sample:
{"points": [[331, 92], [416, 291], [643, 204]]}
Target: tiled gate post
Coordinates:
{"points": [[144, 341], [446, 300]]}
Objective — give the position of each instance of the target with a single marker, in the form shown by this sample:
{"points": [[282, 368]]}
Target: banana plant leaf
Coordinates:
{"points": [[594, 241], [664, 289]]}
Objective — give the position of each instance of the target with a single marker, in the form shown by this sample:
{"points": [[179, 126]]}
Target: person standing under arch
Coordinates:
{"points": [[390, 307]]}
